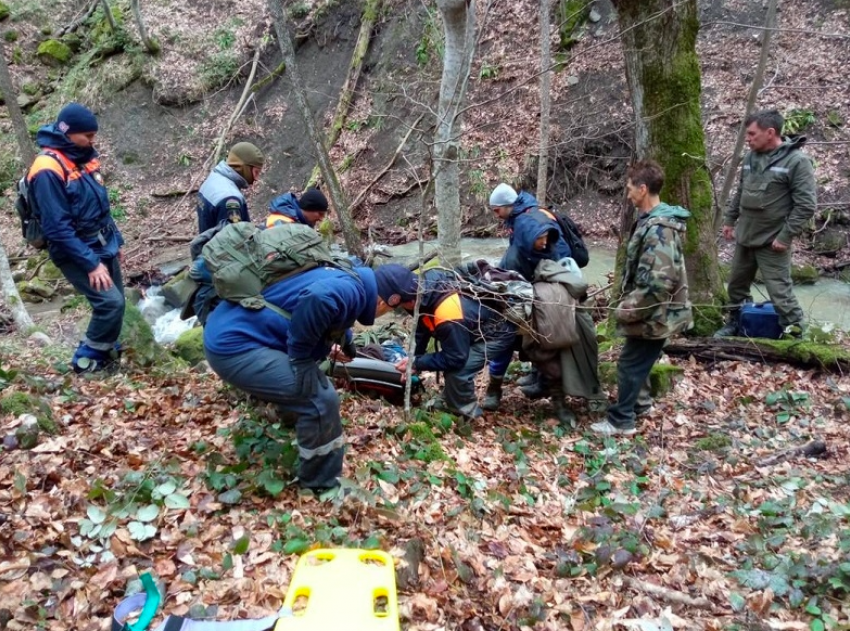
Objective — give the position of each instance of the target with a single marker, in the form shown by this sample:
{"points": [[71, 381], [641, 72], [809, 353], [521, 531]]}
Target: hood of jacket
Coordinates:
{"points": [[225, 170], [287, 204], [524, 202], [664, 214], [49, 137], [436, 285], [528, 228]]}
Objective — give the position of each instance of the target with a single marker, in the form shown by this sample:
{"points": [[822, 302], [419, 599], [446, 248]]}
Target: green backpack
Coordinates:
{"points": [[244, 259]]}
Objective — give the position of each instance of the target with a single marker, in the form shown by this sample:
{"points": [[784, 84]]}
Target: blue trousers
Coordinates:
{"points": [[636, 360], [267, 374], [107, 306]]}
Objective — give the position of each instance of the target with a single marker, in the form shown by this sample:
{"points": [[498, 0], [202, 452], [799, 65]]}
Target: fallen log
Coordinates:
{"points": [[811, 449], [795, 352]]}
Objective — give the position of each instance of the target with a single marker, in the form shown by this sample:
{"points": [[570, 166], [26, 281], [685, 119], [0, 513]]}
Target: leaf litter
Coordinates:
{"points": [[524, 524]]}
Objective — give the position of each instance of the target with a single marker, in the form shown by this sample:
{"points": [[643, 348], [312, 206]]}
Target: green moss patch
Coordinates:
{"points": [[17, 403], [52, 52], [190, 346]]}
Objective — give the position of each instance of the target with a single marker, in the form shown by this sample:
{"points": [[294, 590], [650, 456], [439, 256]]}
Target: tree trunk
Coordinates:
{"points": [[367, 25], [107, 13], [10, 293], [27, 154], [459, 28], [349, 230], [545, 101], [662, 69], [26, 149], [150, 43], [732, 168]]}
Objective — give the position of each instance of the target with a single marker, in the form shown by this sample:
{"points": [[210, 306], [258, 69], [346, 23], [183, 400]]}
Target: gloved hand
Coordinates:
{"points": [[350, 349], [308, 377]]}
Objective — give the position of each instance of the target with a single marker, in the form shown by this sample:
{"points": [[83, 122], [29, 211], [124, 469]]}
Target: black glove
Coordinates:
{"points": [[308, 377], [350, 349]]}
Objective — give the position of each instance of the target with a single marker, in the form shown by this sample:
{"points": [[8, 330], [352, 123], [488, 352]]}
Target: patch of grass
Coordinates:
{"points": [[17, 403], [713, 442], [797, 120]]}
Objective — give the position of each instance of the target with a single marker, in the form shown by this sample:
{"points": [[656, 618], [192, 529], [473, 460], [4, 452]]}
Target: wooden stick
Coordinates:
{"points": [[670, 595], [362, 195], [238, 109], [810, 450], [169, 238]]}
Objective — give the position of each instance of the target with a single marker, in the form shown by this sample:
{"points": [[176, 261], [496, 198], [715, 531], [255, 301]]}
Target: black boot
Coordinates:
{"points": [[536, 390], [530, 379], [730, 329], [493, 397]]}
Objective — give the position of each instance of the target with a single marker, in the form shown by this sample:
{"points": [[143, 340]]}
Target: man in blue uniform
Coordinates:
{"points": [[309, 209], [72, 204], [275, 358]]}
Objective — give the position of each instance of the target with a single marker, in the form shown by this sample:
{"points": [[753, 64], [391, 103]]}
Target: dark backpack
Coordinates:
{"points": [[28, 209], [573, 237]]}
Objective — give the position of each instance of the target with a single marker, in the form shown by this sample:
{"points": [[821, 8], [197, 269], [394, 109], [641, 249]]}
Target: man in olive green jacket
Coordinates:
{"points": [[775, 198]]}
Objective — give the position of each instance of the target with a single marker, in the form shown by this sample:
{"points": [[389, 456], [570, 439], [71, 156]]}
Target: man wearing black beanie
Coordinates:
{"points": [[309, 209], [72, 205]]}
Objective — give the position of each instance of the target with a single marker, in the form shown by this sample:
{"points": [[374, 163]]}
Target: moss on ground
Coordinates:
{"points": [[17, 403], [662, 379], [190, 346]]}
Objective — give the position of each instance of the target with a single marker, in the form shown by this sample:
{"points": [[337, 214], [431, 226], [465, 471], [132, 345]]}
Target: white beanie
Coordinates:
{"points": [[503, 195]]}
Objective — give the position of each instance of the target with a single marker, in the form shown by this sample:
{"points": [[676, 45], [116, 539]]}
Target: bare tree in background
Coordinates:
{"points": [[545, 101], [459, 29], [662, 70], [150, 43], [350, 233], [732, 167], [27, 154]]}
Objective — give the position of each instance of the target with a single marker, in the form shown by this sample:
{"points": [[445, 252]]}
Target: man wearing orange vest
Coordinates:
{"points": [[72, 205], [468, 334], [309, 209]]}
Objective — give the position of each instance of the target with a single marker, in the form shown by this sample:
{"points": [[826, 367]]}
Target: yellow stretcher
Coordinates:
{"points": [[342, 590]]}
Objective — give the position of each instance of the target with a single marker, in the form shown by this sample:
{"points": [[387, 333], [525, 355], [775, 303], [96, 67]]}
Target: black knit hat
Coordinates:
{"points": [[396, 284], [76, 119], [313, 199]]}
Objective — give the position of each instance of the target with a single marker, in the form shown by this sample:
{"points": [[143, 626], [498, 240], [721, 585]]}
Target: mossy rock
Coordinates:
{"points": [[49, 272], [36, 260], [138, 340], [804, 274], [829, 242], [17, 403], [190, 346], [713, 442], [52, 52], [133, 295], [4, 11], [35, 290], [662, 379], [178, 290]]}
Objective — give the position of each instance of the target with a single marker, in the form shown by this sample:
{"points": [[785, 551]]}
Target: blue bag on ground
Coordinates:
{"points": [[759, 320]]}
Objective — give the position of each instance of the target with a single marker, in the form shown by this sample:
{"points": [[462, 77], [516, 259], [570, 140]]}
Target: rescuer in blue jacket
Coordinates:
{"points": [[309, 209], [275, 358], [70, 200], [468, 333]]}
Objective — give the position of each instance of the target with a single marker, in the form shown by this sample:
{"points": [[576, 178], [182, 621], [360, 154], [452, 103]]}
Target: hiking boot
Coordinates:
{"points": [[563, 413], [535, 391], [605, 428], [88, 359], [493, 397], [730, 329]]}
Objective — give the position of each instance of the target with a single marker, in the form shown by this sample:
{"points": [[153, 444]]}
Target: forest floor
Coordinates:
{"points": [[701, 521]]}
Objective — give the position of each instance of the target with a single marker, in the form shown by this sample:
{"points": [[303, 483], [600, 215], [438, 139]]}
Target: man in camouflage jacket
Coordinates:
{"points": [[775, 199], [655, 303]]}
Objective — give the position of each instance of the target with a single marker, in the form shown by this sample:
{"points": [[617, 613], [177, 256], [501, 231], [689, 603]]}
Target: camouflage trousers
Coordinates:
{"points": [[775, 270]]}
